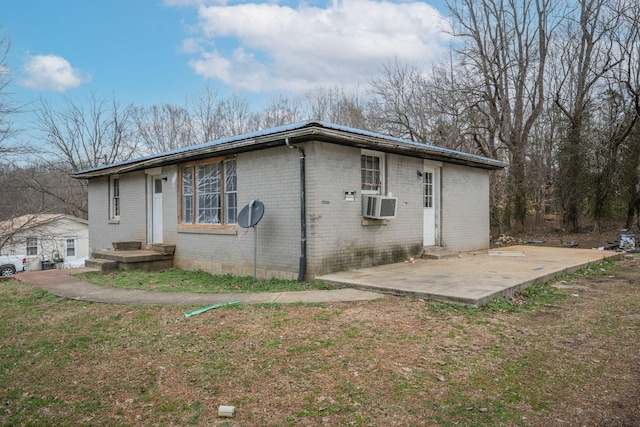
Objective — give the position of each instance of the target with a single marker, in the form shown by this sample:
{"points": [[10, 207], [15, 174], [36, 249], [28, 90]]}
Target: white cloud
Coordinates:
{"points": [[266, 46], [51, 72]]}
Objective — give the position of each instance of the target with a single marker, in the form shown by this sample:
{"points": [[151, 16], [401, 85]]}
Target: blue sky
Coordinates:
{"points": [[153, 51]]}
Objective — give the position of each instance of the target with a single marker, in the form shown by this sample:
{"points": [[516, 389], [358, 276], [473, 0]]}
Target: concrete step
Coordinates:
{"points": [[103, 265], [127, 246], [163, 248], [146, 260], [437, 252]]}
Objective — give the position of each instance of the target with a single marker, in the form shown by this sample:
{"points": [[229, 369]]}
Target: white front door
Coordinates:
{"points": [[429, 204], [156, 208]]}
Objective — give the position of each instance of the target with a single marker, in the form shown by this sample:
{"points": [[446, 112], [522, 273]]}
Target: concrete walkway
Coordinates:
{"points": [[473, 278], [60, 283]]}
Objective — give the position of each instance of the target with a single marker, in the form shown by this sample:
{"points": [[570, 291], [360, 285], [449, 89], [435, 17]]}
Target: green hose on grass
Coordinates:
{"points": [[209, 307]]}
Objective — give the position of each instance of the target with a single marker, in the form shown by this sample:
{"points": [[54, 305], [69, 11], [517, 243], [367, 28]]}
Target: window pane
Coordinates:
{"points": [[32, 246], [428, 190], [371, 173], [115, 199], [208, 193], [187, 195], [231, 179], [232, 208], [206, 190], [231, 195], [71, 247]]}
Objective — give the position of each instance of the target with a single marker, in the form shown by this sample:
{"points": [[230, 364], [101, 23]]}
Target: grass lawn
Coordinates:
{"points": [[176, 280], [556, 355]]}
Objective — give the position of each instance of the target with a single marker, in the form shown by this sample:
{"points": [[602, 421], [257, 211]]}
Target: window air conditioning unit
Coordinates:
{"points": [[379, 207]]}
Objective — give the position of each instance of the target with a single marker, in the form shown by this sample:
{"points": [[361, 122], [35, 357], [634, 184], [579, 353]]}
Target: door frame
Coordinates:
{"points": [[151, 174], [436, 168]]}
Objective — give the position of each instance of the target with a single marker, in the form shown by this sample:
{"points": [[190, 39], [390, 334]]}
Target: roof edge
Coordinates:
{"points": [[327, 132]]}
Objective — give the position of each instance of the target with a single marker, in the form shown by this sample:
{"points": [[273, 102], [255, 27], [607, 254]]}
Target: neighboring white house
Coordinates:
{"points": [[335, 198], [46, 239]]}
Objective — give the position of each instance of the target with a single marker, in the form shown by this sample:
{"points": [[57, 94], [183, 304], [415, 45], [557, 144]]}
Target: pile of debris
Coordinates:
{"points": [[626, 243], [504, 240]]}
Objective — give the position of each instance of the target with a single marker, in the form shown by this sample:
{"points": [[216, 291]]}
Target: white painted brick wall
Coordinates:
{"points": [[337, 239], [465, 208], [271, 176], [132, 224]]}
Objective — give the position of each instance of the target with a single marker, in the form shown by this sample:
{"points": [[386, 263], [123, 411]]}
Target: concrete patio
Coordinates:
{"points": [[471, 278]]}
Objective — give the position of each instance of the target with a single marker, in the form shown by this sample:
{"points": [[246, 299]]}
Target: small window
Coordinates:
{"points": [[209, 193], [187, 195], [32, 246], [231, 192], [70, 247], [115, 198], [428, 189], [372, 172]]}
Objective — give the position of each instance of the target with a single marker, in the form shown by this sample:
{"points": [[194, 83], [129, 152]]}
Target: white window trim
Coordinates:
{"points": [[66, 247], [37, 246], [112, 208], [381, 156]]}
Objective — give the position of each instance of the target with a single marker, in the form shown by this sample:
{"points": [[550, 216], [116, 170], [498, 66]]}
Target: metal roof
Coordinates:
{"points": [[311, 130]]}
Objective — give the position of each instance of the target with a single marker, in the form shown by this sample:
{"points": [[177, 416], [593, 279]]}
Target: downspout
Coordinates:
{"points": [[303, 214]]}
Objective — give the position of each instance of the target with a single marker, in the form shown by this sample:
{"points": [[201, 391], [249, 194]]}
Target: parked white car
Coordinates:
{"points": [[11, 264]]}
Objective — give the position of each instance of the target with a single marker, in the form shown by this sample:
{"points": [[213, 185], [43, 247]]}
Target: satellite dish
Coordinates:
{"points": [[251, 214]]}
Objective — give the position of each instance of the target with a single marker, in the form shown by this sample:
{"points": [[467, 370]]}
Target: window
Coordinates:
{"points": [[428, 189], [70, 247], [209, 193], [231, 192], [372, 172], [32, 246], [115, 198]]}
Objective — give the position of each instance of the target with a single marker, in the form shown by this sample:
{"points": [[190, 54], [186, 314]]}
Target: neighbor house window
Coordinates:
{"points": [[209, 193], [372, 172], [115, 198], [70, 248], [32, 246]]}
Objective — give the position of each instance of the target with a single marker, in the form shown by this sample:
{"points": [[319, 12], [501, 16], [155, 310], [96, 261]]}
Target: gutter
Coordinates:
{"points": [[302, 268]]}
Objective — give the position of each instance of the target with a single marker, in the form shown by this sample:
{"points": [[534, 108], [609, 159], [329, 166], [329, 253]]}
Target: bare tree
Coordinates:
{"points": [[456, 109], [204, 113], [586, 54], [234, 116], [83, 137], [8, 107], [279, 111], [400, 104], [78, 137], [627, 136], [336, 105], [506, 43], [163, 128]]}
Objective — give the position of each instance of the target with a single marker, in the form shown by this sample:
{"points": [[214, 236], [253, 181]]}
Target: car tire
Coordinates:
{"points": [[7, 270]]}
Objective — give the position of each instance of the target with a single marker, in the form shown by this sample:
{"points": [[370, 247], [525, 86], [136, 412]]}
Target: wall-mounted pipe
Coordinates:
{"points": [[303, 213]]}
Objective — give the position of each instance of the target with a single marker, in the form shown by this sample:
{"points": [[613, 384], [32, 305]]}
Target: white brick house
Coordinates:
{"points": [[312, 178], [46, 238]]}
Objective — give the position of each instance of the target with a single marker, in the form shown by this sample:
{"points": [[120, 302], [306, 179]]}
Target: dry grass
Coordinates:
{"points": [[396, 361]]}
